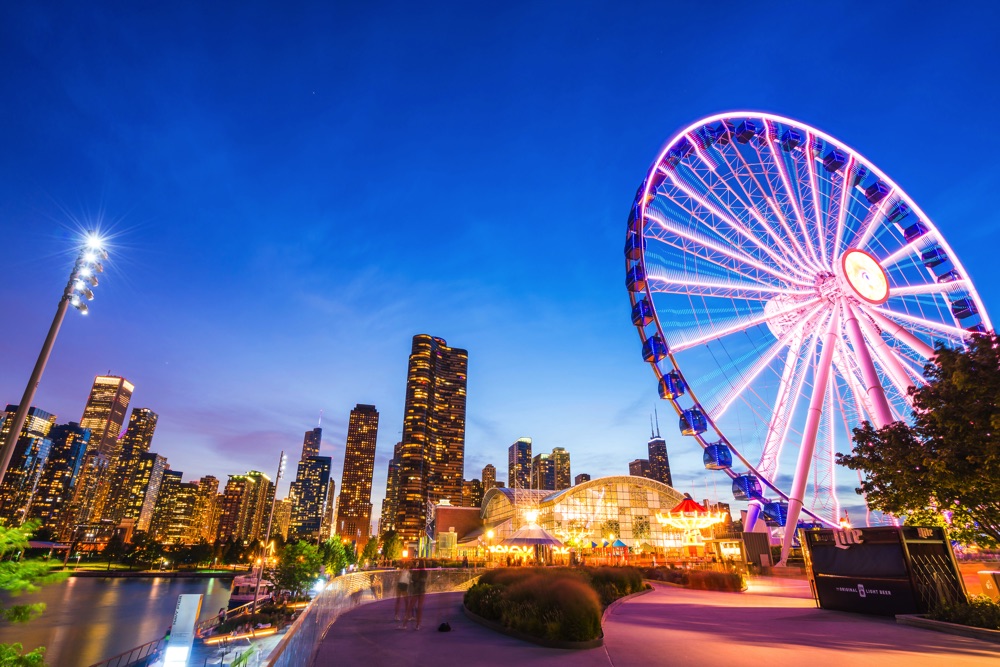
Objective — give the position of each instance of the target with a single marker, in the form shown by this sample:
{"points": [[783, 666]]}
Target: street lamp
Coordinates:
{"points": [[267, 535], [78, 291]]}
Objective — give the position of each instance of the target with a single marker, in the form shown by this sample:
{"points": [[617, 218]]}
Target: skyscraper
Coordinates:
{"points": [[307, 495], [137, 440], [105, 412], [581, 478], [472, 493], [560, 462], [246, 504], [311, 442], [390, 504], [164, 509], [489, 477], [30, 453], [433, 454], [543, 472], [659, 463], [144, 489], [519, 464], [59, 476], [204, 510], [639, 468], [354, 509]]}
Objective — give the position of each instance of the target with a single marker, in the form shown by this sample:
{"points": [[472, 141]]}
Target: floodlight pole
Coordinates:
{"points": [[69, 296], [267, 534]]}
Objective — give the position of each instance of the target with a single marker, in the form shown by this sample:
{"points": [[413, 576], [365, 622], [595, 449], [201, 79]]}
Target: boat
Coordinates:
{"points": [[243, 589]]}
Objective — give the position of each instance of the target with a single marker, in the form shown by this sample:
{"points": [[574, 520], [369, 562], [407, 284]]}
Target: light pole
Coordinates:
{"points": [[267, 535], [81, 279]]}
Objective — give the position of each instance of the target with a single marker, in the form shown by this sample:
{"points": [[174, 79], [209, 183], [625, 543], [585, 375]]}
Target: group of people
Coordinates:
{"points": [[410, 588]]}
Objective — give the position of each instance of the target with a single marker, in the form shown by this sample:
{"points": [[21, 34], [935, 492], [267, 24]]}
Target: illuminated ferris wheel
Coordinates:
{"points": [[786, 289]]}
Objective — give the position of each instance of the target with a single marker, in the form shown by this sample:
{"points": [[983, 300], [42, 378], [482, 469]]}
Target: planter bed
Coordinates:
{"points": [[921, 621]]}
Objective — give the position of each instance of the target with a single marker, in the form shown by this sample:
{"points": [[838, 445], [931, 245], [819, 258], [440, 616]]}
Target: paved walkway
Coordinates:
{"points": [[775, 622]]}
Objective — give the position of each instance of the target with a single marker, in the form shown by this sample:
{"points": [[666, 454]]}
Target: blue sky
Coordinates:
{"points": [[294, 191]]}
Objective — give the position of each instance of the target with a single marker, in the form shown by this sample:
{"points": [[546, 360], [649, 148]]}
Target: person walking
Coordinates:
{"points": [[403, 593], [419, 586]]}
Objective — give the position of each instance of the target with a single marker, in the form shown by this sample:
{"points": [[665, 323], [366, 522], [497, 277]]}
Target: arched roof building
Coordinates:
{"points": [[605, 509]]}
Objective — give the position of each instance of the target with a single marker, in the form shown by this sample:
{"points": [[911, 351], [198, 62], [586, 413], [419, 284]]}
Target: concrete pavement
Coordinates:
{"points": [[774, 623]]}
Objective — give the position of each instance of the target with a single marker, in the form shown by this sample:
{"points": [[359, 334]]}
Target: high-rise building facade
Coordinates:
{"points": [[519, 464], [204, 511], [164, 520], [311, 442], [433, 454], [472, 493], [543, 472], [282, 518], [581, 478], [26, 464], [137, 440], [560, 462], [105, 412], [308, 497], [354, 509], [639, 468], [246, 504], [390, 503], [659, 462], [144, 490], [489, 477], [59, 476]]}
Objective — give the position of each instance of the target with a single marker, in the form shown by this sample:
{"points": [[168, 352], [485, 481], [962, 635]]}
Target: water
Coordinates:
{"points": [[91, 619]]}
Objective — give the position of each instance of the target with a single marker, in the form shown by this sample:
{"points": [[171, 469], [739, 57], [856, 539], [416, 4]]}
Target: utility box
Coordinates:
{"points": [[990, 581], [884, 571]]}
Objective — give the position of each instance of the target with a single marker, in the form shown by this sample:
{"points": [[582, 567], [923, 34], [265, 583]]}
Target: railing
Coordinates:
{"points": [[299, 645], [137, 657], [202, 628]]}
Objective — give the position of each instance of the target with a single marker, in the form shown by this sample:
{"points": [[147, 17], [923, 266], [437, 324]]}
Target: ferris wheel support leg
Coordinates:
{"points": [[873, 386], [822, 376], [899, 333], [753, 513]]}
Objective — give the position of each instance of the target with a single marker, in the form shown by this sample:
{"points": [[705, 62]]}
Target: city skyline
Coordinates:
{"points": [[257, 193]]}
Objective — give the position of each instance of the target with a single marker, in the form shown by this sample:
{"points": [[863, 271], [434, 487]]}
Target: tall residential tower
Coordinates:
{"points": [[354, 509]]}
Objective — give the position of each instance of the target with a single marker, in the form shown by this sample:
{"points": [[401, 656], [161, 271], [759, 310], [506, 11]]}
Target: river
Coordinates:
{"points": [[91, 619]]}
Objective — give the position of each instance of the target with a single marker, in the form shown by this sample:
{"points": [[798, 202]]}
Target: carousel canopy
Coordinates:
{"points": [[530, 536], [689, 505]]}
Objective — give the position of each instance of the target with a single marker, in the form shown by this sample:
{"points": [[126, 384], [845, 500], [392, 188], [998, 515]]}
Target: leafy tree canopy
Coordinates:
{"points": [[298, 567], [949, 459], [19, 576], [392, 545], [370, 553], [334, 555]]}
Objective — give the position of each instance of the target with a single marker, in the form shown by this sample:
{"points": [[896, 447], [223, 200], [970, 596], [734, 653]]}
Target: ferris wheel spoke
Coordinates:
{"points": [[930, 288], [845, 196], [748, 205], [950, 330], [873, 220], [808, 253], [763, 362], [662, 283], [852, 379], [793, 374], [913, 247], [899, 332], [817, 207], [748, 263], [743, 326], [736, 225], [888, 360]]}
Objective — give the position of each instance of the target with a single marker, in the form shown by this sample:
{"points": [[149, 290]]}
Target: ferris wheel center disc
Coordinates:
{"points": [[865, 276]]}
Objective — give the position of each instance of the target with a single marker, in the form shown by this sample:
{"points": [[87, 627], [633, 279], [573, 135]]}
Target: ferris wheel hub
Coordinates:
{"points": [[865, 276]]}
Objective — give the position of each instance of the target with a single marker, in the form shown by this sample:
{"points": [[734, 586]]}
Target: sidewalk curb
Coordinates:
{"points": [[547, 643], [921, 621], [620, 600]]}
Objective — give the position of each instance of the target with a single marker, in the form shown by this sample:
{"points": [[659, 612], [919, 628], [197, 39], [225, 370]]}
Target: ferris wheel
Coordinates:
{"points": [[785, 290]]}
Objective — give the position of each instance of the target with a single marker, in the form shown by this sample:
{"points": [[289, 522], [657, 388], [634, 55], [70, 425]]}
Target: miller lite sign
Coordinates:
{"points": [[846, 537]]}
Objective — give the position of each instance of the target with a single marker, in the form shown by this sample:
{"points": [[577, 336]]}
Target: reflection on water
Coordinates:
{"points": [[90, 619]]}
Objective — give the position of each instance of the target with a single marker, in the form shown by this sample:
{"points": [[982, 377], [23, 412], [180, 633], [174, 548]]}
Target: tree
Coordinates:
{"points": [[351, 553], [949, 460], [115, 549], [21, 576], [334, 555], [370, 553], [298, 567], [392, 546]]}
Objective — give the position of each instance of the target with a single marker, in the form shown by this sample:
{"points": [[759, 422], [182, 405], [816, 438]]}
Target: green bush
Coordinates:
{"points": [[670, 575], [554, 604], [612, 583], [707, 580], [980, 612]]}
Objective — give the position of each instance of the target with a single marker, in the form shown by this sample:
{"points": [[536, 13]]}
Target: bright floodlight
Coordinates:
{"points": [[94, 241]]}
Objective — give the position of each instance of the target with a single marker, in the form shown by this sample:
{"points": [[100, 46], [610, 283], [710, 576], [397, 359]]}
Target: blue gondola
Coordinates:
{"points": [[746, 130], [718, 457], [654, 349], [693, 422], [672, 386], [776, 511], [976, 328], [678, 153], [635, 245], [876, 192], [724, 132], [790, 140], [914, 231], [635, 278], [949, 277], [933, 257], [709, 135], [860, 174], [898, 212], [656, 178], [834, 160], [964, 308], [746, 487], [642, 313]]}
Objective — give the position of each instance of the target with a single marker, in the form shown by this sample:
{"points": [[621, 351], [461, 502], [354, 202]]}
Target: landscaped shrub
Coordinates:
{"points": [[553, 604], [612, 583], [707, 580], [670, 575], [980, 612]]}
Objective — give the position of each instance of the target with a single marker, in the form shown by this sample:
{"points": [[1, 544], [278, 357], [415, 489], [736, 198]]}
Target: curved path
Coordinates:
{"points": [[774, 623]]}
